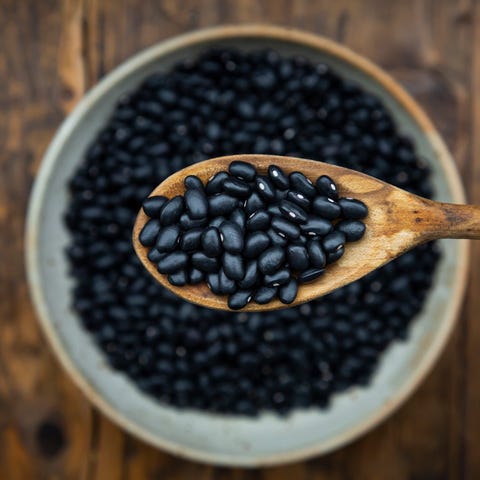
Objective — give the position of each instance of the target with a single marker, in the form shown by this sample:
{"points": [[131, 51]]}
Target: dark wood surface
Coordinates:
{"points": [[50, 53]]}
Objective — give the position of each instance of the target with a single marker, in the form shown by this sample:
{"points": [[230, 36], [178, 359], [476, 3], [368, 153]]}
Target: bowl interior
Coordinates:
{"points": [[215, 438]]}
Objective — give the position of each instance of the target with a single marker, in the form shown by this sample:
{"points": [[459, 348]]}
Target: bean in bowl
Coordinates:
{"points": [[227, 102]]}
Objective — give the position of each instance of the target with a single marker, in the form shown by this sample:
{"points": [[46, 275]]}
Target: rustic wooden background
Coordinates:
{"points": [[50, 53]]}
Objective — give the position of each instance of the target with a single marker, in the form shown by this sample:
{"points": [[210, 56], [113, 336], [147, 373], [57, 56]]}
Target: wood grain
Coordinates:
{"points": [[50, 52]]}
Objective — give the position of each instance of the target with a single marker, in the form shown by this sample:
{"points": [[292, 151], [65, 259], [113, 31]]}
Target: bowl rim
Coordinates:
{"points": [[159, 50]]}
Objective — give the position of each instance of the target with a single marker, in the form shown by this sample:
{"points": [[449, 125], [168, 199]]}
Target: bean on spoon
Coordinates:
{"points": [[397, 222]]}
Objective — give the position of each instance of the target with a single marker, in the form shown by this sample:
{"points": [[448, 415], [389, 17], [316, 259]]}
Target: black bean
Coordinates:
{"points": [[213, 282], [310, 275], [221, 204], [227, 285], [179, 279], [215, 184], [236, 187], [352, 229], [195, 276], [274, 210], [242, 170], [92, 214], [253, 203], [293, 212], [287, 228], [264, 295], [265, 188], [234, 266], [326, 207], [353, 209], [246, 109], [316, 226], [301, 240], [158, 149], [149, 233], [288, 292], [299, 199], [316, 254], [196, 203], [297, 257], [239, 299], [172, 211], [232, 237], [152, 206], [276, 279], [271, 260], [260, 220], [246, 407], [280, 195], [239, 218], [278, 177], [217, 221], [167, 239], [168, 97], [193, 182], [204, 263], [186, 223], [173, 262], [335, 255], [256, 243], [191, 239], [155, 255], [214, 131], [333, 241], [211, 242], [326, 186], [250, 278], [300, 183], [135, 144], [276, 239]]}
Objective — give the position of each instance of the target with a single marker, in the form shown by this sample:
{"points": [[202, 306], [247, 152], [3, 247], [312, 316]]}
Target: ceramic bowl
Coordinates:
{"points": [[220, 439]]}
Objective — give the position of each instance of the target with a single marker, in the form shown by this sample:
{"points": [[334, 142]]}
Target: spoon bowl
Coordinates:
{"points": [[397, 221]]}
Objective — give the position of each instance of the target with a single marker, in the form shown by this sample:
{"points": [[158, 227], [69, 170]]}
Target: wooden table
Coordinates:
{"points": [[50, 53]]}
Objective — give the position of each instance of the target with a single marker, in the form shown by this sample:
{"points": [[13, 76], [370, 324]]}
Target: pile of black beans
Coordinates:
{"points": [[223, 103], [250, 236]]}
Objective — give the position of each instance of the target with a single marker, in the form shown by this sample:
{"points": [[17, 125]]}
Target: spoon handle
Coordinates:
{"points": [[457, 221]]}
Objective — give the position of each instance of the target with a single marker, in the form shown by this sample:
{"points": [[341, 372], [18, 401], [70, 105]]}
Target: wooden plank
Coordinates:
{"points": [[109, 451], [45, 422]]}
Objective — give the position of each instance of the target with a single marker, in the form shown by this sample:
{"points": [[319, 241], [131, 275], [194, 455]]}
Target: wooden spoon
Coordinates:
{"points": [[397, 221]]}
